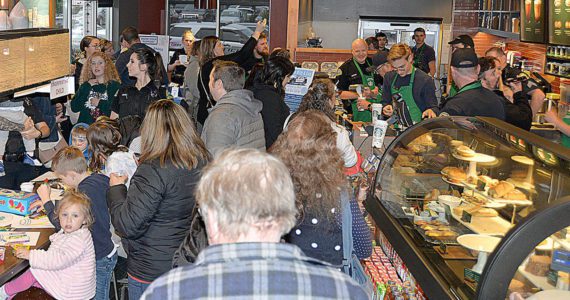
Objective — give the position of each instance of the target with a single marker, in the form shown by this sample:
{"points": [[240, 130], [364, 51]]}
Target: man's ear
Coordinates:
{"points": [[218, 84]]}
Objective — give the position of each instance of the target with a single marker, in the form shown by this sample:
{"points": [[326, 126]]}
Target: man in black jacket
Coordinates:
{"points": [[472, 99], [517, 109]]}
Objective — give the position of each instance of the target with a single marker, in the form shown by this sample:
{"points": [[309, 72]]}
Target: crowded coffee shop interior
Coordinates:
{"points": [[368, 149]]}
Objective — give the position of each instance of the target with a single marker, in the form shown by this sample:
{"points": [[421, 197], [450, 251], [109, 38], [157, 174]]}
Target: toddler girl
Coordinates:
{"points": [[67, 269]]}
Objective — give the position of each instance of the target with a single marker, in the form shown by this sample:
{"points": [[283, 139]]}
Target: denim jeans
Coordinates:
{"points": [[136, 289], [104, 271]]}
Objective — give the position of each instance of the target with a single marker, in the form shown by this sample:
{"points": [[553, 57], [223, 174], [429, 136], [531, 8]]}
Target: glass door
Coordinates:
{"points": [[88, 19]]}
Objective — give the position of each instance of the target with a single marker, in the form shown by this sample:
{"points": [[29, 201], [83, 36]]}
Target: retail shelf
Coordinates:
{"points": [[538, 281], [557, 75], [505, 34], [558, 58]]}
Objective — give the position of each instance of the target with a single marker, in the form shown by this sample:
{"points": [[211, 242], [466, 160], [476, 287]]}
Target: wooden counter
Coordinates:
{"points": [[12, 265]]}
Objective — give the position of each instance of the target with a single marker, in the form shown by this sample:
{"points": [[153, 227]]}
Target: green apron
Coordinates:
{"points": [[367, 81], [452, 90], [471, 86], [407, 94]]}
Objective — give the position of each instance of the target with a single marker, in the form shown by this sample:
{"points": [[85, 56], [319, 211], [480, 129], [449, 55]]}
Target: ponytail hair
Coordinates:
{"points": [[319, 97], [153, 62]]}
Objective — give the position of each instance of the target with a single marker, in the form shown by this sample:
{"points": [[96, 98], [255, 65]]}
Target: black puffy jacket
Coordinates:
{"points": [[154, 215]]}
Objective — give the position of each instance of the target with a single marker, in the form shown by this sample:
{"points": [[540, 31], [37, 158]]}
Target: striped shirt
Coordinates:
{"points": [[254, 271]]}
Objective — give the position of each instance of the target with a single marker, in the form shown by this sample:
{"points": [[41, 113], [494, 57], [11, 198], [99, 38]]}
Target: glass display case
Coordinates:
{"points": [[477, 209]]}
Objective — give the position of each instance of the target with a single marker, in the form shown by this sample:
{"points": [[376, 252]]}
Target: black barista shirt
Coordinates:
{"points": [[479, 102], [130, 101], [423, 89], [423, 55], [350, 74]]}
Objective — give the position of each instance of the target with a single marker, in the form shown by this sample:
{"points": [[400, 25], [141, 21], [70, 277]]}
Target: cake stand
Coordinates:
{"points": [[485, 244]]}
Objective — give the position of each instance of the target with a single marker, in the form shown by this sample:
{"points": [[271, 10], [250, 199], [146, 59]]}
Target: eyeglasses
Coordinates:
{"points": [[95, 46]]}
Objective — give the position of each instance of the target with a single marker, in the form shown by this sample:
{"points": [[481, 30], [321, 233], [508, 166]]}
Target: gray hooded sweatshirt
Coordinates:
{"points": [[234, 121]]}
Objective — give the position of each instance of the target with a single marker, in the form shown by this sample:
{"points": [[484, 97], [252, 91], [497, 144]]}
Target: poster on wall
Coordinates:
{"points": [[559, 22], [533, 21], [157, 42]]}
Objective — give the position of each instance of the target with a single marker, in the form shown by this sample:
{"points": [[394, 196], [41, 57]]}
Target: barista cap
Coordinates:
{"points": [[463, 39], [464, 58]]}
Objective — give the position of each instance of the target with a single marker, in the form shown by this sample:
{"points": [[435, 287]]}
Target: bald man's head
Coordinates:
{"points": [[359, 50]]}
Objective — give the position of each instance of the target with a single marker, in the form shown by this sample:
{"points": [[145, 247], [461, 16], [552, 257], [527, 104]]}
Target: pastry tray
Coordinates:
{"points": [[486, 225], [447, 241]]}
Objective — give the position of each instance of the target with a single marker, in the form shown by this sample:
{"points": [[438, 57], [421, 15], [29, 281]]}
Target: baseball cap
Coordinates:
{"points": [[464, 39], [464, 58]]}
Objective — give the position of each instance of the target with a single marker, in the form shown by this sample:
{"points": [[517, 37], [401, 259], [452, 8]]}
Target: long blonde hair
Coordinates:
{"points": [[110, 70], [167, 134]]}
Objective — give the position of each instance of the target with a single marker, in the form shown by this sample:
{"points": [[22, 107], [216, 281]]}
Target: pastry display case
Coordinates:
{"points": [[477, 209]]}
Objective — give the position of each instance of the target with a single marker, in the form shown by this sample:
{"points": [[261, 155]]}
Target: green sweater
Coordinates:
{"points": [[106, 94]]}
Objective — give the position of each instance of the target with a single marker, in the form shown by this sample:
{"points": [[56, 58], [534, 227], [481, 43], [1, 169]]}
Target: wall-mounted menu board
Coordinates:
{"points": [[559, 22], [533, 24]]}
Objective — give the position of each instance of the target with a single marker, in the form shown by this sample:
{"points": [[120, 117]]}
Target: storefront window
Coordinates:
{"points": [[236, 22]]}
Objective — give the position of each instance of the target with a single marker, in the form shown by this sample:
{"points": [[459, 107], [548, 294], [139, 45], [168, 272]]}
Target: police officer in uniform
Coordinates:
{"points": [[530, 88], [460, 42], [413, 86], [472, 99], [360, 70]]}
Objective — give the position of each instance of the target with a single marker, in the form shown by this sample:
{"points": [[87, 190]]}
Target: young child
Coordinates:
{"points": [[78, 138], [70, 166], [103, 139], [67, 269]]}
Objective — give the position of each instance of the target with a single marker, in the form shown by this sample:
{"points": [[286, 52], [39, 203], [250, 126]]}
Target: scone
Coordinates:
{"points": [[501, 189], [465, 151]]}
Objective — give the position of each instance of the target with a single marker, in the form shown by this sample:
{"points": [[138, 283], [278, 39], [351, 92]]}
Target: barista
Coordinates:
{"points": [[359, 70], [414, 86], [424, 54]]}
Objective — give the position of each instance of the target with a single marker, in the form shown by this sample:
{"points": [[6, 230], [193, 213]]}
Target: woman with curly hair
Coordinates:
{"points": [[99, 84], [308, 149], [321, 97]]}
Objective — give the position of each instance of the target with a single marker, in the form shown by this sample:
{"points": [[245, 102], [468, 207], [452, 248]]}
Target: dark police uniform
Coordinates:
{"points": [[422, 56], [130, 101], [356, 73], [475, 100]]}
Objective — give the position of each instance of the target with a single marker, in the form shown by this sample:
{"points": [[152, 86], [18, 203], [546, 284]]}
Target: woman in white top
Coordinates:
{"points": [[320, 97]]}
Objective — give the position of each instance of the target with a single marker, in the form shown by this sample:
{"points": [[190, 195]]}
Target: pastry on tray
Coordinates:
{"points": [[538, 265], [514, 195], [464, 151], [454, 174], [501, 189], [475, 198], [516, 286]]}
